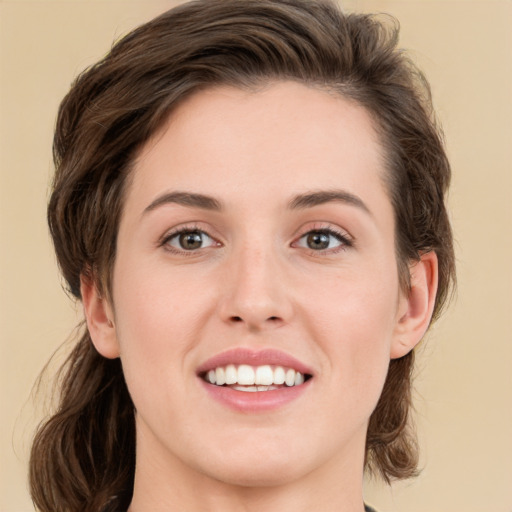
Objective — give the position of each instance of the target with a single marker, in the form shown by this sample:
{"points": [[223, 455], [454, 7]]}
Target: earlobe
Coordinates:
{"points": [[99, 317], [415, 310]]}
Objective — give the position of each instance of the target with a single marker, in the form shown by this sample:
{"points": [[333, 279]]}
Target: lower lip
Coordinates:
{"points": [[257, 401]]}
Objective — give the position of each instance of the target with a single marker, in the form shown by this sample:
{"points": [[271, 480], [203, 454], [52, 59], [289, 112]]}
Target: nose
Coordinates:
{"points": [[255, 292]]}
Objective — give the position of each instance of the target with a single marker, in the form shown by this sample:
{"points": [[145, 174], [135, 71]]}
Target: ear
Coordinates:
{"points": [[100, 319], [415, 310]]}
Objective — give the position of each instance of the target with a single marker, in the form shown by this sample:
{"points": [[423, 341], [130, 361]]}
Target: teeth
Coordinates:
{"points": [[231, 374], [220, 376], [266, 388], [245, 375], [279, 375], [299, 379], [290, 378], [249, 389], [252, 389], [264, 375], [250, 379]]}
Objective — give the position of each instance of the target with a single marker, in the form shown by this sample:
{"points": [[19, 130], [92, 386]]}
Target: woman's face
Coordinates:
{"points": [[257, 237]]}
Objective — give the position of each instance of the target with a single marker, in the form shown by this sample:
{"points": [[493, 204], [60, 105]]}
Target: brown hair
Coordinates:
{"points": [[83, 457]]}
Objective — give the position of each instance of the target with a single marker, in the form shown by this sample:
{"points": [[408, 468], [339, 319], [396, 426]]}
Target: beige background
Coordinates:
{"points": [[465, 368]]}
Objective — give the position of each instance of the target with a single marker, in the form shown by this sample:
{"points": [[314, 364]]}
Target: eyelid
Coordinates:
{"points": [[205, 237], [174, 232], [346, 239]]}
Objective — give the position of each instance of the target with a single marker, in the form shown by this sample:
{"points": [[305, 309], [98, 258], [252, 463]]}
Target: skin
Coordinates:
{"points": [[256, 283]]}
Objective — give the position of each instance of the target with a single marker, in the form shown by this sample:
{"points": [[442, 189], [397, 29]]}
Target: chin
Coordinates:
{"points": [[258, 464], [258, 473]]}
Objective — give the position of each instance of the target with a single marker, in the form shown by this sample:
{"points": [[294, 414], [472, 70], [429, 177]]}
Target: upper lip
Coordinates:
{"points": [[254, 358]]}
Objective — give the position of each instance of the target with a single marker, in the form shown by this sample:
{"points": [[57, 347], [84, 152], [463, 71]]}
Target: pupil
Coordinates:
{"points": [[191, 241], [318, 241]]}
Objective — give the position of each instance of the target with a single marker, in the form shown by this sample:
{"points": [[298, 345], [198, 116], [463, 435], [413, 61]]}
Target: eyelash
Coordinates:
{"points": [[345, 240], [180, 231], [342, 237]]}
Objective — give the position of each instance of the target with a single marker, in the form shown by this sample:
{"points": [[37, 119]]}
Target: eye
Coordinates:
{"points": [[189, 240], [322, 240]]}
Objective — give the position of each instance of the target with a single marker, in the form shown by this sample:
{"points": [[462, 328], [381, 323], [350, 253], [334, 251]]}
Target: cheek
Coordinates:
{"points": [[154, 334], [353, 320], [145, 322], [159, 320], [153, 305], [361, 305]]}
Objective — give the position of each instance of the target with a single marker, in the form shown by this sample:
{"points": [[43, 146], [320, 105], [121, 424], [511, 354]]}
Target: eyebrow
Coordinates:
{"points": [[299, 202], [326, 196], [185, 199]]}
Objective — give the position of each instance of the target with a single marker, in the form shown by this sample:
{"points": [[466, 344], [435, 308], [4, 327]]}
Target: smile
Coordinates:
{"points": [[254, 378], [254, 381]]}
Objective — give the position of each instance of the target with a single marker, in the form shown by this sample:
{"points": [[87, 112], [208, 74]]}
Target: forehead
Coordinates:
{"points": [[281, 138]]}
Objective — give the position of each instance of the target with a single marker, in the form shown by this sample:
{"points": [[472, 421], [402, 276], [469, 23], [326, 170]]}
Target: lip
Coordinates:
{"points": [[255, 402], [254, 358], [258, 401]]}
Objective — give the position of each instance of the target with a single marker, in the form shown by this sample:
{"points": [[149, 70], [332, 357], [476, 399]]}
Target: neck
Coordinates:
{"points": [[211, 495], [165, 483]]}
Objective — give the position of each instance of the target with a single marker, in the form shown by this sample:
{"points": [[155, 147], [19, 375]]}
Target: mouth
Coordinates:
{"points": [[248, 378], [255, 381]]}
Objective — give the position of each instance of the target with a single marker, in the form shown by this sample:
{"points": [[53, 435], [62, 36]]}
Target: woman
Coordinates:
{"points": [[249, 202]]}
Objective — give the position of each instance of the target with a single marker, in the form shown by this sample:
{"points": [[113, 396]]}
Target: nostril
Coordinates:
{"points": [[238, 319]]}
